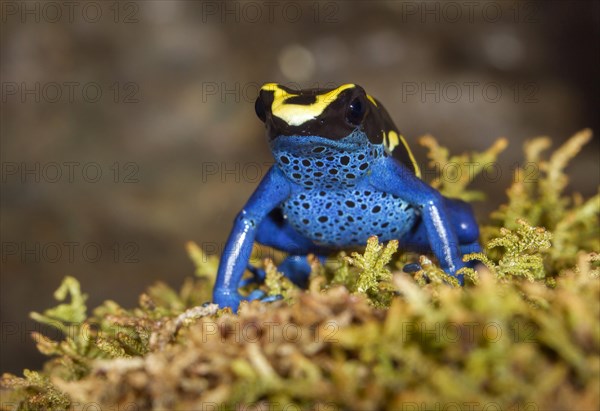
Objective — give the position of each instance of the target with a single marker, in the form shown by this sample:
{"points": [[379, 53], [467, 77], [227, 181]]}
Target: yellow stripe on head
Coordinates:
{"points": [[297, 114]]}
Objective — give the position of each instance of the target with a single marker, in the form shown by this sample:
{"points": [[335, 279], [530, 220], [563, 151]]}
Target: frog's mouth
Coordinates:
{"points": [[318, 146]]}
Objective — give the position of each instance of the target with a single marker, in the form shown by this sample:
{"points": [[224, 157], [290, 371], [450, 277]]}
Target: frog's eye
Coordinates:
{"points": [[261, 110], [356, 111]]}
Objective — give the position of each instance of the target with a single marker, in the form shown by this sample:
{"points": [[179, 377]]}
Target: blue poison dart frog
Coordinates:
{"points": [[342, 173]]}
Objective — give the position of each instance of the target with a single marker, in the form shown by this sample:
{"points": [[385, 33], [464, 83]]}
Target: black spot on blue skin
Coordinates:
{"points": [[284, 160], [318, 234], [327, 183]]}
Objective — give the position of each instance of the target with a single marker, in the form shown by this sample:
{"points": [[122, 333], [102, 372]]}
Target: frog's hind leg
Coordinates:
{"points": [[276, 232]]}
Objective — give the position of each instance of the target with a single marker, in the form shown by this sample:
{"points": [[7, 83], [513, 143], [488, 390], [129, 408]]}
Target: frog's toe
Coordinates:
{"points": [[411, 268], [271, 298], [262, 296], [255, 295]]}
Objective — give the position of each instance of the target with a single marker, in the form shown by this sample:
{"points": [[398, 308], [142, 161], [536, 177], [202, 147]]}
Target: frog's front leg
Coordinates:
{"points": [[462, 221], [392, 177], [272, 191]]}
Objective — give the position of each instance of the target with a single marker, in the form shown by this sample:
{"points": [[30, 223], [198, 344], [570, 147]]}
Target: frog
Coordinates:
{"points": [[342, 173]]}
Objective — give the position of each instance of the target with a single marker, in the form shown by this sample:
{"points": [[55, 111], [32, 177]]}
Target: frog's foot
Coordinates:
{"points": [[294, 267], [297, 269], [411, 268], [225, 297], [232, 299], [262, 296]]}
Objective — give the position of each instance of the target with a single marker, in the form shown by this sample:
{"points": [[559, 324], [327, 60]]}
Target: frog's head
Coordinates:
{"points": [[331, 114], [325, 128]]}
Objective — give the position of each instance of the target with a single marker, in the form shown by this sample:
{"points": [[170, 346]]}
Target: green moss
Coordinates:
{"points": [[522, 254], [523, 334], [455, 173]]}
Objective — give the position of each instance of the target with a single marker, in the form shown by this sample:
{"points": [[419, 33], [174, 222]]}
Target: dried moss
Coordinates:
{"points": [[523, 334]]}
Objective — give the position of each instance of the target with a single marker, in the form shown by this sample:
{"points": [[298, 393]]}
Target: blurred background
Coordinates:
{"points": [[128, 128]]}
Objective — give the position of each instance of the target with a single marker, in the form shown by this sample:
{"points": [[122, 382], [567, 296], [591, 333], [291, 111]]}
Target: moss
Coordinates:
{"points": [[455, 173], [522, 255], [523, 333]]}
